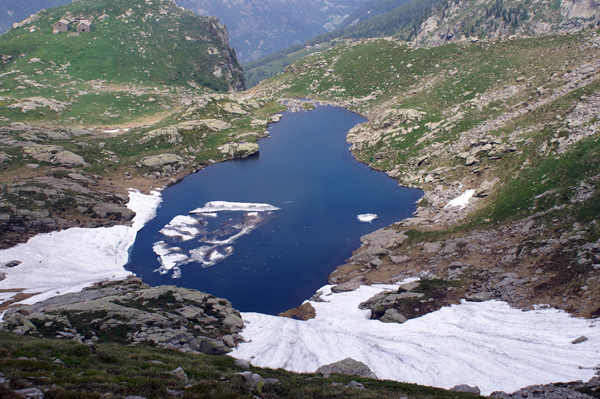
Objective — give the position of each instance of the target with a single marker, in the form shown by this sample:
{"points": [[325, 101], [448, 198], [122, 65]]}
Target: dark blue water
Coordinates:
{"points": [[305, 169]]}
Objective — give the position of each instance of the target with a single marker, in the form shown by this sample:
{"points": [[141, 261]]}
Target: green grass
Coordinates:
{"points": [[116, 371]]}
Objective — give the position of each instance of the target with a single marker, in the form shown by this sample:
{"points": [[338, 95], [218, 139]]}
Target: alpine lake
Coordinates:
{"points": [[266, 231]]}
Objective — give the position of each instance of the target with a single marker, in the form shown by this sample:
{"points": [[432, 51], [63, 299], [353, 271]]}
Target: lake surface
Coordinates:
{"points": [[279, 222]]}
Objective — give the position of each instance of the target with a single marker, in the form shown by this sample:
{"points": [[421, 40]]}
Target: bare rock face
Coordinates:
{"points": [[132, 312], [240, 149], [54, 154]]}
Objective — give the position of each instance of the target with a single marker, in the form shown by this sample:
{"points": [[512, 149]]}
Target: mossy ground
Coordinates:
{"points": [[114, 371]]}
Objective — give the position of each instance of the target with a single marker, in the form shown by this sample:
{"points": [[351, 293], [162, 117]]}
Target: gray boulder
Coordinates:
{"points": [[466, 388], [393, 316], [130, 312], [347, 366]]}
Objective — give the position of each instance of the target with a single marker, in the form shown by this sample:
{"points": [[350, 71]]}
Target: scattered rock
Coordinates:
{"points": [[579, 340], [306, 311], [384, 238], [169, 133], [240, 149], [347, 366], [392, 316], [180, 373], [480, 297], [254, 381], [466, 388], [153, 161], [234, 108], [13, 263], [242, 363], [354, 384], [432, 247], [54, 154], [106, 210], [351, 285], [30, 393]]}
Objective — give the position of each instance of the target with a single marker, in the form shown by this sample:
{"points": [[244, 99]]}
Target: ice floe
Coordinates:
{"points": [[367, 217], [218, 206], [215, 226], [462, 200], [487, 344], [72, 259], [183, 227]]}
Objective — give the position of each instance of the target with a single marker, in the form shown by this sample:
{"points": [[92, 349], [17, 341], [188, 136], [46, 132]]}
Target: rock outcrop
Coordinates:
{"points": [[347, 366], [131, 312], [240, 149]]}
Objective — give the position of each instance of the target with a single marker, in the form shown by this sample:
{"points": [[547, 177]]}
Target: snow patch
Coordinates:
{"points": [[487, 344], [462, 200], [69, 260]]}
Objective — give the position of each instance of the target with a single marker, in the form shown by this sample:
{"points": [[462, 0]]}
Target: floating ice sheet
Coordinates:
{"points": [[218, 206], [367, 217], [214, 227]]}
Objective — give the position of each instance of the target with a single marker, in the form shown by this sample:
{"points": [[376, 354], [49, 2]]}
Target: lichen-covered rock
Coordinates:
{"points": [[54, 154], [132, 312], [106, 210], [154, 161], [213, 124], [234, 108], [240, 149], [170, 134], [347, 366]]}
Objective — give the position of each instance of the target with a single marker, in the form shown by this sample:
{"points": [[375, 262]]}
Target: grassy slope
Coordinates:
{"points": [[133, 45], [460, 88], [447, 80], [114, 371]]}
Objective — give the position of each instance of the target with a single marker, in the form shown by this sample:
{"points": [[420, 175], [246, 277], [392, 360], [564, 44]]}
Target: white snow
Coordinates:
{"points": [[186, 227], [70, 260], [115, 130], [486, 344], [170, 257], [218, 206], [367, 217], [462, 200], [182, 226]]}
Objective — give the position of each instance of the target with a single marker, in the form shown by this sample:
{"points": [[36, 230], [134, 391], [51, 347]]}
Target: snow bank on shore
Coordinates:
{"points": [[486, 344], [70, 260]]}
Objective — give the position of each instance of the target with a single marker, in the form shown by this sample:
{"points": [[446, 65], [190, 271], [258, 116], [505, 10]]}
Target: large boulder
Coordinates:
{"points": [[239, 149], [132, 312], [347, 366], [159, 160], [54, 154]]}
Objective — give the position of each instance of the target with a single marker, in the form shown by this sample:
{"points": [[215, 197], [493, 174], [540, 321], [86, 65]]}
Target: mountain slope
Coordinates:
{"points": [[370, 10], [131, 40], [435, 22], [513, 120], [129, 104], [261, 27], [12, 11]]}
